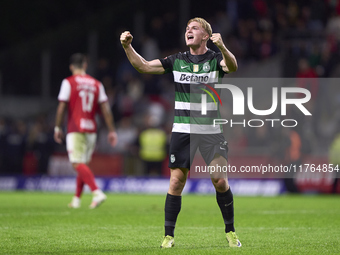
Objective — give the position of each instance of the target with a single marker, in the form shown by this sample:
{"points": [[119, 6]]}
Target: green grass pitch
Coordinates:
{"points": [[41, 223]]}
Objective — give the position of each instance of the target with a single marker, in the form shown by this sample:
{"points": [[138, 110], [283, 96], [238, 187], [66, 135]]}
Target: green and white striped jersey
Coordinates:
{"points": [[191, 73]]}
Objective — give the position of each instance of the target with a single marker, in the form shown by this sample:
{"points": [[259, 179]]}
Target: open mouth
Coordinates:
{"points": [[190, 38]]}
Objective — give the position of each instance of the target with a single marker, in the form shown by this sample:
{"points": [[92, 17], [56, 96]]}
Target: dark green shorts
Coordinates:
{"points": [[183, 148]]}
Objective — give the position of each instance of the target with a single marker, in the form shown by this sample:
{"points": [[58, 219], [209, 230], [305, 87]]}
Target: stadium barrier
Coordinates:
{"points": [[141, 185], [111, 169]]}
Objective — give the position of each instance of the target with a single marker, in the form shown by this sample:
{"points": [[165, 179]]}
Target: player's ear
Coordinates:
{"points": [[85, 66], [71, 67]]}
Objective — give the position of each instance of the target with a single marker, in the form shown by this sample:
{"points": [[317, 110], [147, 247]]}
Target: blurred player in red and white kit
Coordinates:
{"points": [[82, 97]]}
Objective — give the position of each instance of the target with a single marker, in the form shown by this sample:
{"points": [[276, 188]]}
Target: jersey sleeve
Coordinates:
{"points": [[102, 95], [168, 63], [65, 91]]}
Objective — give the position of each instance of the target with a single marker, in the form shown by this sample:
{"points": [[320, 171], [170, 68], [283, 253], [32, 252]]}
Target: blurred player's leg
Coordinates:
{"points": [[80, 187], [80, 147], [87, 176], [75, 203], [98, 198]]}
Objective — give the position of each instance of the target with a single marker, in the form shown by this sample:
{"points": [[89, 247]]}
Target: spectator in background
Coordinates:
{"points": [[318, 15], [334, 152], [333, 26], [3, 130], [292, 154], [40, 141], [14, 147], [306, 71], [259, 137], [82, 96], [328, 62], [127, 133], [238, 139], [150, 48], [153, 142], [307, 78], [103, 70]]}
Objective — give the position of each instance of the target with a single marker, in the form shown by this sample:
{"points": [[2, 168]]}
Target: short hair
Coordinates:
{"points": [[205, 24], [78, 60]]}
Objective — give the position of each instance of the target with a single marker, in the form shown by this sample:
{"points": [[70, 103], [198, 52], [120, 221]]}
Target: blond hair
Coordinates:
{"points": [[205, 24]]}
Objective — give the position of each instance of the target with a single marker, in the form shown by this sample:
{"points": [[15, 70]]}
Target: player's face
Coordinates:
{"points": [[195, 34]]}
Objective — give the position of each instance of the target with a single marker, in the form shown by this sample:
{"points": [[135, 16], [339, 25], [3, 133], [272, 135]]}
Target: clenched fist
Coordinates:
{"points": [[217, 39], [126, 39]]}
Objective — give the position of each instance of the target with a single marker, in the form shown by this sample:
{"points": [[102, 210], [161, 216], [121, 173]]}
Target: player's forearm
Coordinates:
{"points": [[136, 60], [109, 122], [60, 115], [229, 59], [108, 117]]}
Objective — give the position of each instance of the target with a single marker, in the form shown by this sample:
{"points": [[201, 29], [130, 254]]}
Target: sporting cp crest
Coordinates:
{"points": [[172, 158], [206, 67]]}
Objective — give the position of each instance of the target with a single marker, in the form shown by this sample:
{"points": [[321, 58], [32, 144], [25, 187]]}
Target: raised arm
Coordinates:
{"points": [[136, 60], [229, 63], [108, 117]]}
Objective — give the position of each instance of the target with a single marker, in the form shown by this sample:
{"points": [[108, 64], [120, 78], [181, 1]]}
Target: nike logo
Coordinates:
{"points": [[228, 204], [222, 148], [182, 67]]}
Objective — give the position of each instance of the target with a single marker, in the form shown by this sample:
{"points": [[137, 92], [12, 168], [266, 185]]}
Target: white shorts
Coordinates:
{"points": [[80, 146]]}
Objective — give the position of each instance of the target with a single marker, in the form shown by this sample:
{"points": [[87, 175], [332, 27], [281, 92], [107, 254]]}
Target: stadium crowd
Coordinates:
{"points": [[304, 34]]}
